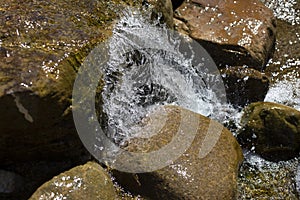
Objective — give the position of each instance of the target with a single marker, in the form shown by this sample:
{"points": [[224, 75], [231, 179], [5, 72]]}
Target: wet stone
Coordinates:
{"points": [[42, 45], [244, 85], [89, 181], [271, 130], [198, 173], [234, 32], [261, 179]]}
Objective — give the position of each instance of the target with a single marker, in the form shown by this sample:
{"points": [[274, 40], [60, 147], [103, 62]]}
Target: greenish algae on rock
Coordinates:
{"points": [[272, 130], [89, 181], [190, 176], [42, 44]]}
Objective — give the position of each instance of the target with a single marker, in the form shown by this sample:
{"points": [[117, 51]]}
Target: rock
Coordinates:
{"points": [[272, 130], [89, 181], [234, 32], [42, 44], [163, 8], [33, 174], [201, 172], [286, 55], [261, 179], [244, 85], [10, 182], [176, 3]]}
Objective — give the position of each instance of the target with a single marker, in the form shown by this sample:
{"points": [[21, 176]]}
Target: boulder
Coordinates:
{"points": [[244, 85], [42, 44], [271, 130], [89, 181], [207, 169], [234, 32]]}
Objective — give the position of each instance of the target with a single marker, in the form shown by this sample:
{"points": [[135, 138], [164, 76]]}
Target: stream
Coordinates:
{"points": [[166, 77]]}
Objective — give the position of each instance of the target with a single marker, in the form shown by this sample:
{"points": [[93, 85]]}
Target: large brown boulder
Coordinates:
{"points": [[42, 44], [89, 181], [206, 170], [271, 130], [234, 32]]}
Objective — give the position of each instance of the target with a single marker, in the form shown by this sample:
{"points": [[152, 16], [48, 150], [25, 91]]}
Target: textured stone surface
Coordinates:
{"points": [[261, 179], [272, 130], [42, 44], [190, 176], [244, 85], [89, 181], [234, 32]]}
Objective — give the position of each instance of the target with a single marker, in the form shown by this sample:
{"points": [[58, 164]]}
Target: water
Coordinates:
{"points": [[285, 10], [286, 91], [149, 66], [258, 178], [261, 179]]}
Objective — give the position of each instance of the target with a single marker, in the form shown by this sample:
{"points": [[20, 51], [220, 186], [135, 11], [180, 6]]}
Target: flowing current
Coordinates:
{"points": [[150, 65], [147, 65]]}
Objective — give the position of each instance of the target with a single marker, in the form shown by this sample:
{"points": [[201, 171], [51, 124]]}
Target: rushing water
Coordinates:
{"points": [[286, 91], [150, 65]]}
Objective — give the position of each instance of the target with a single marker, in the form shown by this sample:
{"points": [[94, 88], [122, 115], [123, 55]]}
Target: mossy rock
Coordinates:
{"points": [[89, 181], [272, 130], [42, 45]]}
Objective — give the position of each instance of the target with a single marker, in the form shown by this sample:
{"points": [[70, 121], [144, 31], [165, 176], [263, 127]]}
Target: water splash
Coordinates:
{"points": [[261, 179], [284, 10], [286, 91], [150, 65]]}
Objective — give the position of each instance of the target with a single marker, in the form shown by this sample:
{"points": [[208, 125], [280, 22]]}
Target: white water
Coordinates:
{"points": [[284, 10], [148, 66], [286, 91]]}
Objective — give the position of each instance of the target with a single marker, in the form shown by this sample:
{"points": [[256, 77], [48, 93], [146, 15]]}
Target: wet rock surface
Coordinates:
{"points": [[89, 181], [261, 179], [42, 45], [233, 32], [28, 176], [272, 130], [237, 37], [244, 85], [198, 173]]}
